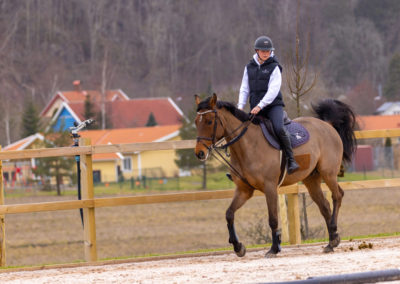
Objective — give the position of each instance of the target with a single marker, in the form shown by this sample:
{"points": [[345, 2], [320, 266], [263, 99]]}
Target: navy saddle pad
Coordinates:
{"points": [[298, 134]]}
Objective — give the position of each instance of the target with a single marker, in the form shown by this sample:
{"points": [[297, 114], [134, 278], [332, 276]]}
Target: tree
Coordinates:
{"points": [[392, 87], [89, 112], [151, 121], [298, 72], [186, 158], [296, 79], [30, 119], [55, 167]]}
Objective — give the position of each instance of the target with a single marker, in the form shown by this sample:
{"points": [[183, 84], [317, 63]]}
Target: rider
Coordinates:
{"points": [[262, 83]]}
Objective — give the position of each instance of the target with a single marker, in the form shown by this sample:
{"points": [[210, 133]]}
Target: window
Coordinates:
{"points": [[127, 164]]}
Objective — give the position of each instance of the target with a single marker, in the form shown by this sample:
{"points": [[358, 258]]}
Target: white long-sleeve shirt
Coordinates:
{"points": [[274, 85]]}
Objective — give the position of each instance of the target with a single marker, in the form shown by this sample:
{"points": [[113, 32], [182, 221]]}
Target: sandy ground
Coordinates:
{"points": [[293, 263]]}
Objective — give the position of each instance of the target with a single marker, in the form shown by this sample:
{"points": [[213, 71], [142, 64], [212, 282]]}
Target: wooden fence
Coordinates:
{"points": [[290, 217]]}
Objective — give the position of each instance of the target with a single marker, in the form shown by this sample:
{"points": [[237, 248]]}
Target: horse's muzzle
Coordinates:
{"points": [[201, 155]]}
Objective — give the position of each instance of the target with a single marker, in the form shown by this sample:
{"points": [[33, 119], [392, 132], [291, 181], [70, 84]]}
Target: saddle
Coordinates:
{"points": [[298, 136], [298, 133]]}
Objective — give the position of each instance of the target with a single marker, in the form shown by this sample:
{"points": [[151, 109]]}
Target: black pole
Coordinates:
{"points": [[74, 132], [78, 173]]}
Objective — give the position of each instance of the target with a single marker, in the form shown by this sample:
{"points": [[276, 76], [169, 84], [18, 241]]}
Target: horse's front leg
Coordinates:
{"points": [[272, 203], [240, 197]]}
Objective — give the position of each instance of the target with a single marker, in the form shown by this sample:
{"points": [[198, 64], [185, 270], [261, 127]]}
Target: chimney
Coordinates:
{"points": [[77, 86]]}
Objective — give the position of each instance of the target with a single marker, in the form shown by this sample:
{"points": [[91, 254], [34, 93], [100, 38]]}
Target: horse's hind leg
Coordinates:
{"points": [[240, 197], [313, 184]]}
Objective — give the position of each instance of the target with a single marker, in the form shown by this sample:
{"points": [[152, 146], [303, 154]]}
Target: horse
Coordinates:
{"points": [[255, 164]]}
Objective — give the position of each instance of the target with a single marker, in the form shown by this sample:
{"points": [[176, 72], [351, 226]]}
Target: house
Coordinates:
{"points": [[78, 96], [20, 171], [68, 107], [135, 112], [389, 108], [109, 167]]}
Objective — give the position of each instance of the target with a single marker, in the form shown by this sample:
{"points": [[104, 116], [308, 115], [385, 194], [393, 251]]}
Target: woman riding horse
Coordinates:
{"points": [[261, 82], [255, 164]]}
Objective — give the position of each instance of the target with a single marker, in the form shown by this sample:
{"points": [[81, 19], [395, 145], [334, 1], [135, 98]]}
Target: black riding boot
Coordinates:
{"points": [[287, 147]]}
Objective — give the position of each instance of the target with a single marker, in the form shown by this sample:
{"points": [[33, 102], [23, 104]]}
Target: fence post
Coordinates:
{"points": [[2, 221], [89, 230], [294, 218]]}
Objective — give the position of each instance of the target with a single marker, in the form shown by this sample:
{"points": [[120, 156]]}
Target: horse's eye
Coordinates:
{"points": [[209, 122]]}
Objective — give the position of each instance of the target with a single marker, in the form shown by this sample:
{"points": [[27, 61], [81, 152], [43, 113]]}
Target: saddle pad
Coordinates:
{"points": [[298, 134]]}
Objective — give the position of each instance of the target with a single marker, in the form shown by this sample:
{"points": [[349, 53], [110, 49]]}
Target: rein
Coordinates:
{"points": [[213, 146]]}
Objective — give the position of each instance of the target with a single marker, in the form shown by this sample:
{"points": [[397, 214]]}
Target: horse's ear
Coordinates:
{"points": [[213, 101], [197, 99]]}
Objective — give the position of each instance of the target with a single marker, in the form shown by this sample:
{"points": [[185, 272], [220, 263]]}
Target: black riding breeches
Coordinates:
{"points": [[275, 115]]}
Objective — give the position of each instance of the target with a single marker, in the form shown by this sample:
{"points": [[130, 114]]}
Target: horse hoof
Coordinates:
{"points": [[335, 242], [242, 251], [271, 254], [328, 249]]}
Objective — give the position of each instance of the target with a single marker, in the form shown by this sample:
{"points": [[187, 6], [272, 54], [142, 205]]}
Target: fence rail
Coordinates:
{"points": [[290, 217]]}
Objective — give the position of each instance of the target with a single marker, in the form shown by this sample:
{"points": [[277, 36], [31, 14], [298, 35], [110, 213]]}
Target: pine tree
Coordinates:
{"points": [[30, 119], [55, 167], [392, 87], [89, 112], [151, 121], [186, 158]]}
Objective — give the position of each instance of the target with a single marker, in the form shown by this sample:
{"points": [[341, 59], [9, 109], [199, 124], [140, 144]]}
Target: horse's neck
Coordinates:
{"points": [[244, 145]]}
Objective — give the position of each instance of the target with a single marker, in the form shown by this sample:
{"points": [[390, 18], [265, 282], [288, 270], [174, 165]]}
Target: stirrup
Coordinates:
{"points": [[229, 176], [292, 167]]}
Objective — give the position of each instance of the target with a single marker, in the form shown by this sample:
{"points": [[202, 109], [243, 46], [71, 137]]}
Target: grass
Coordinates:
{"points": [[215, 181], [185, 227]]}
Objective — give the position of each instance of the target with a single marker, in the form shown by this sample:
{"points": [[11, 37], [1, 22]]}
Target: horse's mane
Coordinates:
{"points": [[239, 114]]}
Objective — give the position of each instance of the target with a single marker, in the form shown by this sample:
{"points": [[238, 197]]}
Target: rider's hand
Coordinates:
{"points": [[255, 110]]}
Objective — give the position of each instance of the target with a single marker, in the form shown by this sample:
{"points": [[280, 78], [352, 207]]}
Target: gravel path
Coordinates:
{"points": [[293, 263]]}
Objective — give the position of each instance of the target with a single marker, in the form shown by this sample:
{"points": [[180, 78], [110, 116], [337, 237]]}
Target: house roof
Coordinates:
{"points": [[79, 96], [129, 135], [375, 122], [112, 136], [136, 112], [386, 106], [23, 143]]}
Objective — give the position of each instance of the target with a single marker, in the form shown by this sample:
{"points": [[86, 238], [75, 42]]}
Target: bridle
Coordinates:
{"points": [[214, 148], [212, 138], [214, 144]]}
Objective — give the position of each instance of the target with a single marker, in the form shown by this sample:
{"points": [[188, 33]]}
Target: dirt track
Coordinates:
{"points": [[294, 263]]}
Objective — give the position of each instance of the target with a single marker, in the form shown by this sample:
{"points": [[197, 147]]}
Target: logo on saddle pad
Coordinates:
{"points": [[298, 134]]}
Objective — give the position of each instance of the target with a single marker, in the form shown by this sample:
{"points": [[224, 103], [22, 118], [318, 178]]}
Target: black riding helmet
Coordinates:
{"points": [[263, 43]]}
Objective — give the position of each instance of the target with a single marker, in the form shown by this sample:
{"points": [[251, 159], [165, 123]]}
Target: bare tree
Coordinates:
{"points": [[296, 79]]}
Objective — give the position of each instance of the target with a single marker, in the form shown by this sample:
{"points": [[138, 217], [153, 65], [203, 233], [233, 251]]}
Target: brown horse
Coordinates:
{"points": [[257, 165]]}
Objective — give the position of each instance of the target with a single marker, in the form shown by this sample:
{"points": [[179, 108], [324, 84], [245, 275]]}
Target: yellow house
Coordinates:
{"points": [[112, 166], [109, 167]]}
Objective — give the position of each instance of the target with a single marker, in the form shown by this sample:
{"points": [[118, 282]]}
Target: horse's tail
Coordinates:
{"points": [[343, 119]]}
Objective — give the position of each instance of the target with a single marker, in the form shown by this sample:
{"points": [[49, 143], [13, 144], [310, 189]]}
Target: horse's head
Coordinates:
{"points": [[209, 126]]}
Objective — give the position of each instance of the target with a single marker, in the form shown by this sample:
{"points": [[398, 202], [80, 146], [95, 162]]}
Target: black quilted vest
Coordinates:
{"points": [[258, 82]]}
